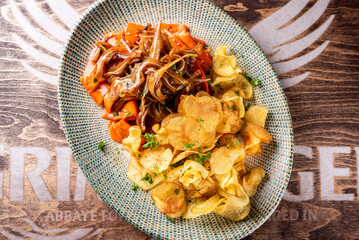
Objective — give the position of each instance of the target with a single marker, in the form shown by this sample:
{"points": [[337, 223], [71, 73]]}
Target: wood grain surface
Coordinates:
{"points": [[324, 108]]}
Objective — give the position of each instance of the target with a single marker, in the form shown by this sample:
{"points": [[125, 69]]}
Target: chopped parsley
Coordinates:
{"points": [[128, 114], [243, 126], [155, 167], [248, 106], [255, 82], [233, 108], [177, 164], [151, 143], [135, 187], [170, 220], [200, 120], [177, 191], [218, 86], [189, 145], [95, 80], [200, 158], [115, 114], [174, 67], [164, 175], [139, 155], [242, 56], [101, 146], [147, 178]]}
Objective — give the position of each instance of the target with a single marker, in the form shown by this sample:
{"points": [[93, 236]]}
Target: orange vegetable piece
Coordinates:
{"points": [[130, 110], [99, 93], [196, 66], [186, 38], [119, 130], [172, 28], [175, 41], [130, 34]]}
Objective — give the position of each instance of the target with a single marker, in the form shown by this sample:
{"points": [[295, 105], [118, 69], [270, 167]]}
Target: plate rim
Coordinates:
{"points": [[60, 74]]}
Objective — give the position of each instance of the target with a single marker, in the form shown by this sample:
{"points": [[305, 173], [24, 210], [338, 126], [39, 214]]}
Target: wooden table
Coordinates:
{"points": [[42, 191]]}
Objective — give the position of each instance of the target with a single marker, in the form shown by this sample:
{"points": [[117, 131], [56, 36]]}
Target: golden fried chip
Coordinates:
{"points": [[183, 134], [208, 206], [231, 123], [141, 176], [188, 213], [132, 143], [192, 173], [253, 135], [234, 102], [203, 109], [169, 198], [251, 180], [257, 115], [183, 155], [157, 159], [235, 207]]}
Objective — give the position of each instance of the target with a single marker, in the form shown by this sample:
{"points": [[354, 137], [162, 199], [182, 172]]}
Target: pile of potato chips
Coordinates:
{"points": [[195, 160]]}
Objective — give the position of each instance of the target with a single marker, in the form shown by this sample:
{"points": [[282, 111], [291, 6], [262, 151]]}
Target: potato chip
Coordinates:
{"points": [[192, 173], [169, 198], [188, 213], [183, 134], [230, 123], [208, 206], [206, 187], [235, 208], [231, 141], [245, 88], [256, 114], [203, 109], [179, 213], [222, 65], [234, 102], [174, 174], [222, 159], [183, 155], [228, 180], [253, 135], [157, 159], [141, 176], [133, 142], [251, 180]]}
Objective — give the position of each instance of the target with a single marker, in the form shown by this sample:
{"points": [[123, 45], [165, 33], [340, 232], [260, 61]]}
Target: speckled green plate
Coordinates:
{"points": [[84, 128]]}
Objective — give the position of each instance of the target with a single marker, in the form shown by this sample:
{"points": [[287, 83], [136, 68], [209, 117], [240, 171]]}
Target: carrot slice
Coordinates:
{"points": [[130, 110], [131, 32], [99, 93], [185, 37], [196, 66], [119, 130], [174, 27], [174, 41], [206, 58]]}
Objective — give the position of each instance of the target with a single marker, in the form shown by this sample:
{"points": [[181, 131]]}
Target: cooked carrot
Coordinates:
{"points": [[130, 110], [119, 130], [99, 93], [185, 37], [199, 41], [89, 68], [175, 41], [206, 58], [174, 27], [112, 116], [108, 102], [131, 32], [196, 66]]}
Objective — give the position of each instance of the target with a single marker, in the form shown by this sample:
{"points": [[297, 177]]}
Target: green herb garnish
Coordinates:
{"points": [[151, 143], [170, 220], [248, 106], [101, 146], [95, 80], [135, 187], [147, 178], [177, 191], [128, 114]]}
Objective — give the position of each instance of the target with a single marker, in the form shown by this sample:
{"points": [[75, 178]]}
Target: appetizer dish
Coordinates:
{"points": [[181, 114]]}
